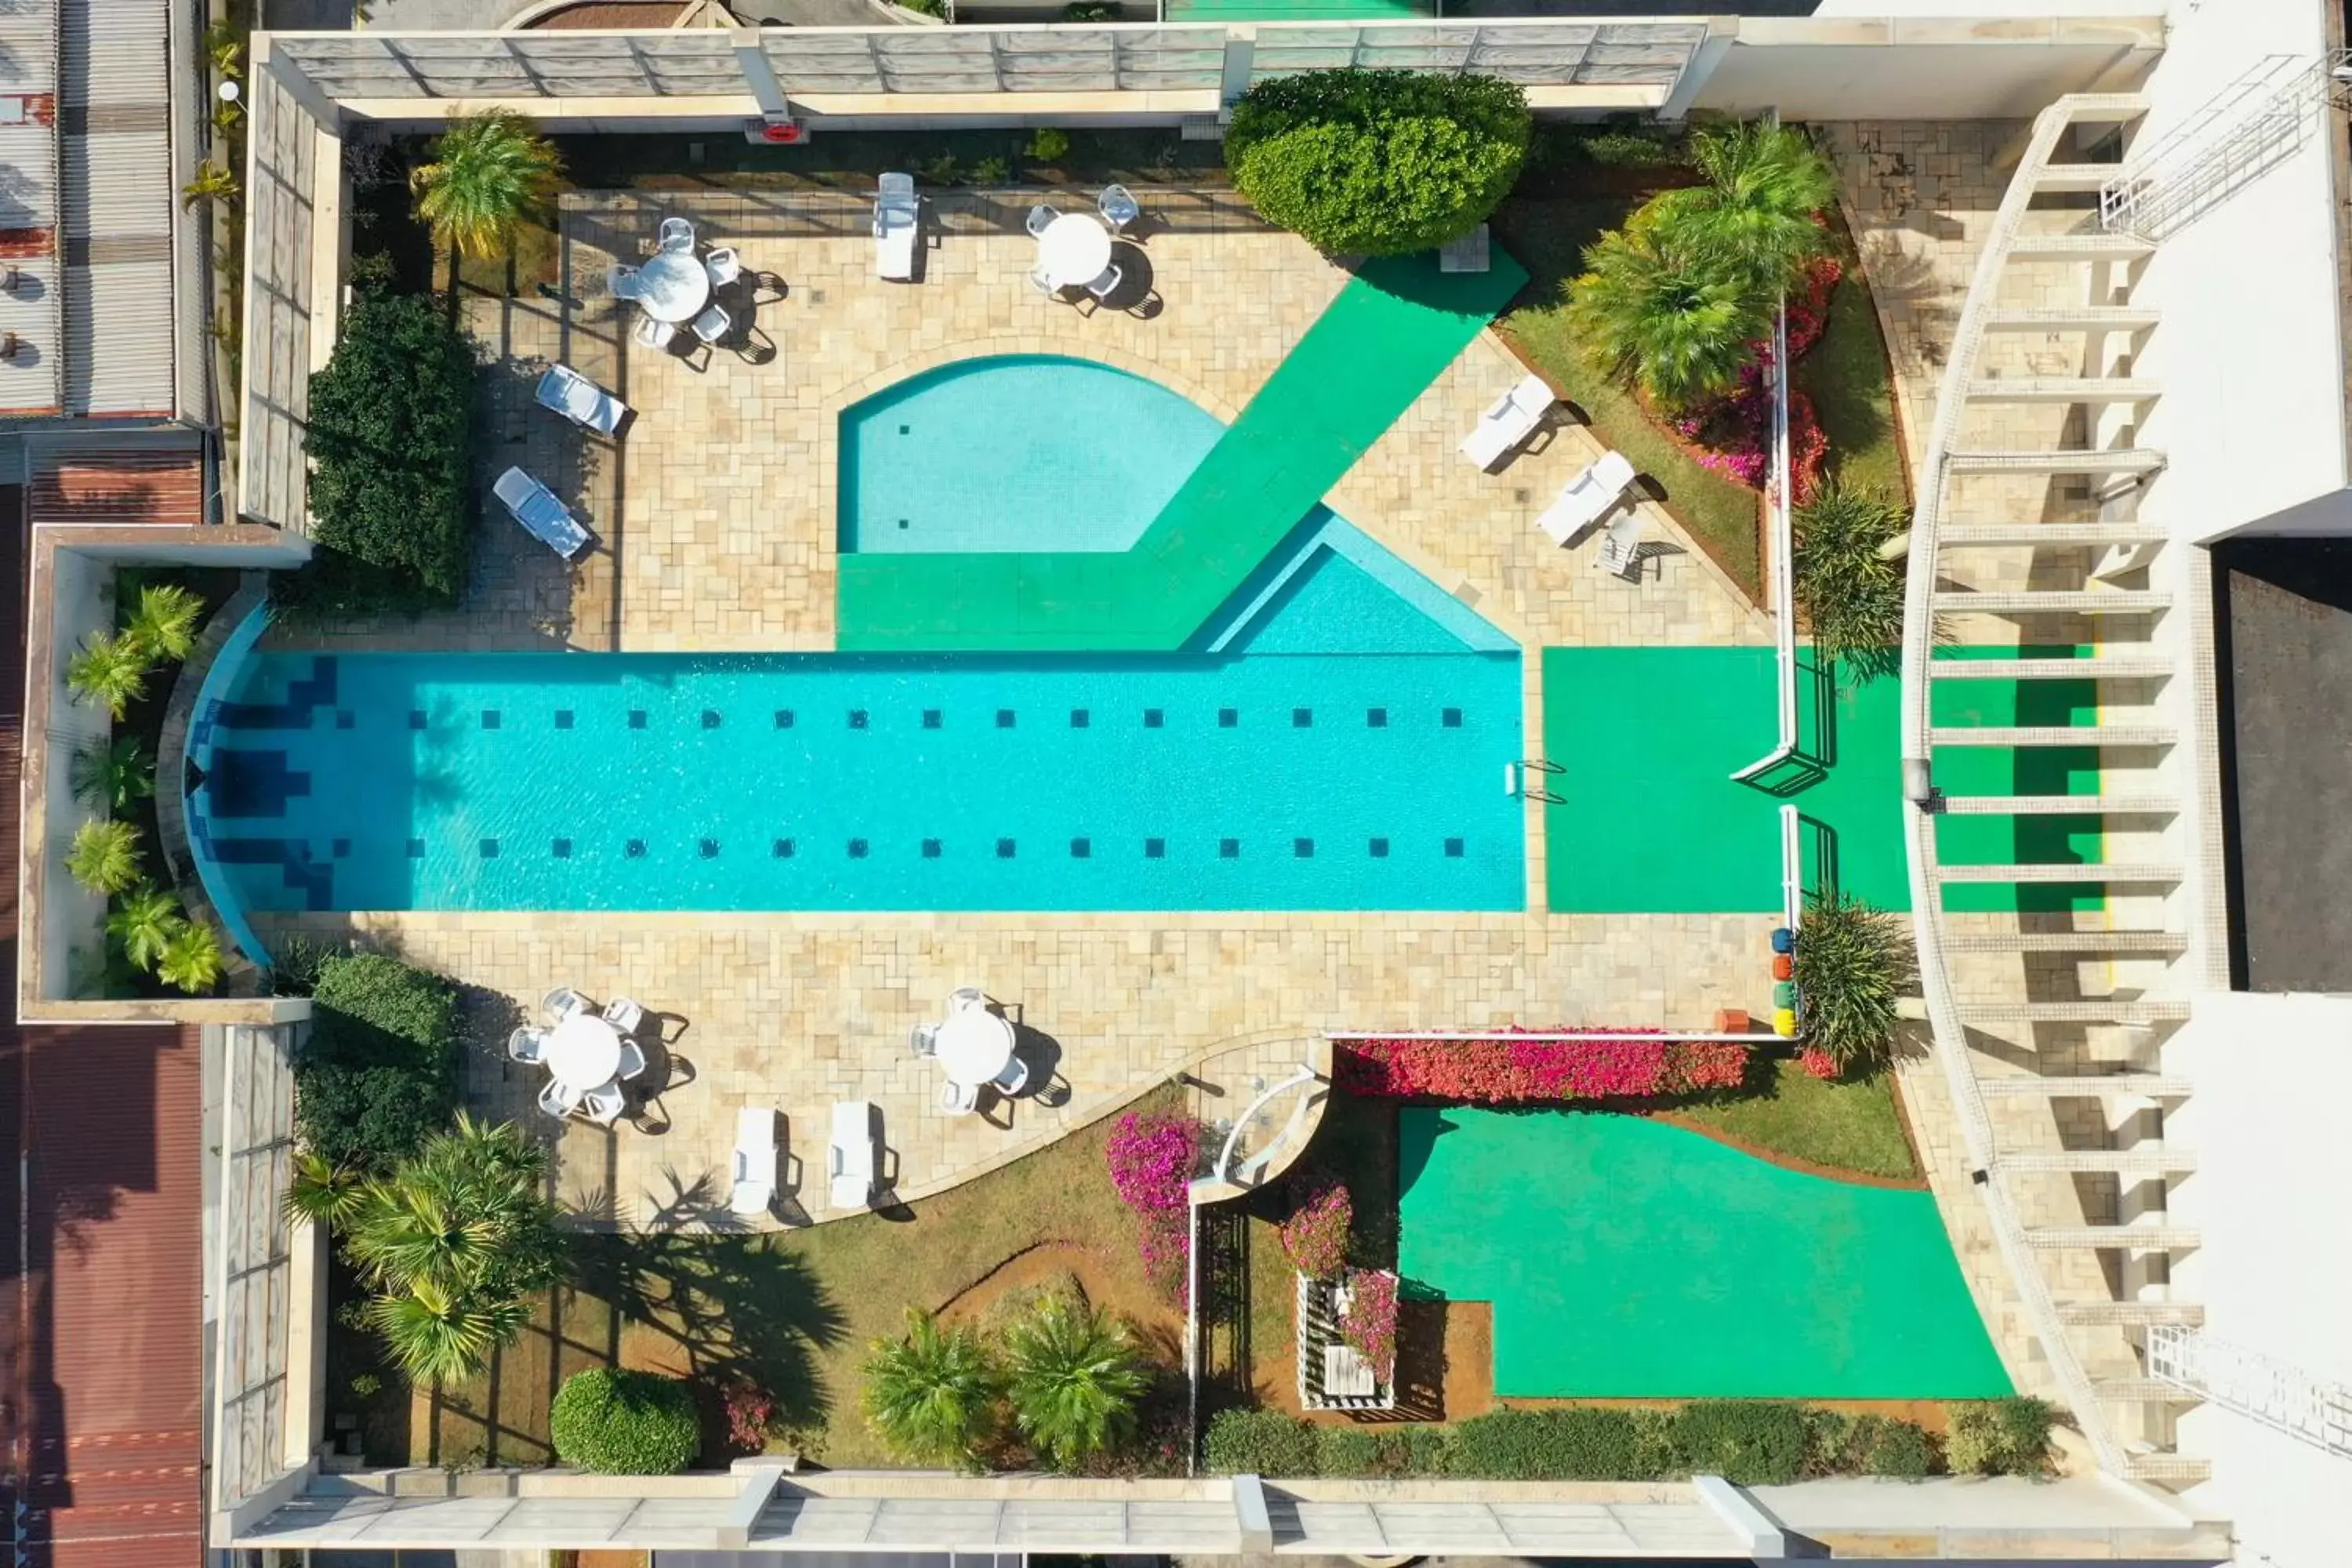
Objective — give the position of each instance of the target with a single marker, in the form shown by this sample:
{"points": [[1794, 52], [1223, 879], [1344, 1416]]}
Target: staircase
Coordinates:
{"points": [[2048, 1026]]}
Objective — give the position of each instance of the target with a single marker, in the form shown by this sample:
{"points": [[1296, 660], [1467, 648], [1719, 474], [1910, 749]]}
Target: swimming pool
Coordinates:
{"points": [[1018, 452], [1344, 749]]}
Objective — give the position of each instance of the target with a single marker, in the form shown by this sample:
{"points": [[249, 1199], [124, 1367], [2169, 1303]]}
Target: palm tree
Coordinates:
{"points": [[323, 1190], [490, 173], [1755, 218], [145, 922], [1074, 1380], [113, 777], [104, 856], [191, 960], [1853, 962], [164, 625], [1646, 313], [442, 1336], [1851, 594], [932, 1396], [109, 670], [214, 182]]}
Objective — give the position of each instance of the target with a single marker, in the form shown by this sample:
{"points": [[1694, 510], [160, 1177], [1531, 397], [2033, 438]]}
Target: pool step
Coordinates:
{"points": [[2052, 601], [2158, 1161], [2073, 319], [2045, 875], [2107, 666], [2109, 1010], [2131, 1314], [2129, 733], [2158, 943], [2089, 247], [2141, 1391], [2063, 389], [2127, 1237], [2149, 1087], [2051, 805], [2172, 1470], [2105, 460]]}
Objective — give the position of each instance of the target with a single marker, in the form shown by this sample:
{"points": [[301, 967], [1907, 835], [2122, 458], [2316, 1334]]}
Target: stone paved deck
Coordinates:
{"points": [[715, 522]]}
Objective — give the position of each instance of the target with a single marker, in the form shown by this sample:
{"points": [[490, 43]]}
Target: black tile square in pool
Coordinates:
{"points": [[1004, 848], [417, 718], [1450, 718], [1082, 849], [930, 848], [416, 849], [636, 850], [1230, 848], [860, 718], [1155, 849], [490, 847], [933, 717], [345, 718], [1302, 718], [1080, 718], [1379, 848], [783, 850], [1303, 848], [1153, 718], [1004, 718], [783, 718], [489, 718], [561, 849], [563, 717], [341, 849], [636, 718], [857, 849], [1454, 849], [711, 718], [1227, 718], [1376, 718], [709, 847]]}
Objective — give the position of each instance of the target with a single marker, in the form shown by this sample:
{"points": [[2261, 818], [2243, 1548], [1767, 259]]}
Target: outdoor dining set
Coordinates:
{"points": [[973, 1045], [673, 288], [1074, 250], [591, 1055]]}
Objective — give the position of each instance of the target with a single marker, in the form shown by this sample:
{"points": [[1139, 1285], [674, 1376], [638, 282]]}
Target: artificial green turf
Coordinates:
{"points": [[1627, 1258], [1396, 325], [1649, 821]]}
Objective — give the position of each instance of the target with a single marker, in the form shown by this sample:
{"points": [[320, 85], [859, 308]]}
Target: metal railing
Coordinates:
{"points": [[2249, 127], [2283, 1397], [1781, 530]]}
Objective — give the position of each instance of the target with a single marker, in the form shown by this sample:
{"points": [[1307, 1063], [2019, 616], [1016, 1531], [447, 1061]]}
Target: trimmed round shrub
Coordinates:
{"points": [[1377, 163], [378, 1072], [1884, 1447], [1999, 1436], [370, 1008], [1352, 1452], [619, 1423], [1748, 1442], [1260, 1443], [1549, 1446]]}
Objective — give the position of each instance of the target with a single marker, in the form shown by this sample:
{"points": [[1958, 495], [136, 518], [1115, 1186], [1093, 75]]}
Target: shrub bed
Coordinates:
{"points": [[1748, 1442], [1152, 1160], [378, 1073], [1628, 1066], [619, 1423]]}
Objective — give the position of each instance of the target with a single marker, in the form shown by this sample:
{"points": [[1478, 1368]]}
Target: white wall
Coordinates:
{"points": [[2250, 348], [1891, 67], [2272, 1074]]}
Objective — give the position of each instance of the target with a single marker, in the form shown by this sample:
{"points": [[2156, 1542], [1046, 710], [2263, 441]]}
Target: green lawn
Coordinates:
{"points": [[1549, 236], [1845, 1126], [1846, 376]]}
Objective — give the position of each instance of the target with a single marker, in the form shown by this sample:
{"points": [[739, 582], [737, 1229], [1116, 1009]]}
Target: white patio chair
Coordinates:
{"points": [[1587, 497], [723, 266], [1013, 1078], [526, 1046], [1118, 207], [850, 1158], [1041, 217], [581, 400], [561, 1003], [713, 325], [959, 1099], [675, 234], [754, 1170], [898, 227], [923, 1040], [624, 283], [632, 1063], [1508, 420], [653, 334], [1620, 547], [540, 513], [1043, 284], [623, 1015], [604, 1104], [557, 1099], [1109, 279], [964, 996]]}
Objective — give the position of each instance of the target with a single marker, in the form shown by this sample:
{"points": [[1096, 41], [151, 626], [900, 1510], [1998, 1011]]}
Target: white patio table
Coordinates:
{"points": [[974, 1045], [677, 286], [1074, 250], [583, 1052]]}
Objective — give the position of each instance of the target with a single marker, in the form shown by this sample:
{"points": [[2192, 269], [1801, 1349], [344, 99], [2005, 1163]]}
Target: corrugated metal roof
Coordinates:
{"points": [[117, 198]]}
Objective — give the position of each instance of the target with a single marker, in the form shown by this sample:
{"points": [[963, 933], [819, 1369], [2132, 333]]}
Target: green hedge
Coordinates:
{"points": [[378, 1072], [2000, 1437], [619, 1423], [1750, 1442]]}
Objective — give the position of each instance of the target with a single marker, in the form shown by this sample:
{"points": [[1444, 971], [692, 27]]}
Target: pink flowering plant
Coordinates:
{"points": [[1315, 1236], [1152, 1160], [1817, 1062], [1370, 1322], [751, 1410], [1623, 1066]]}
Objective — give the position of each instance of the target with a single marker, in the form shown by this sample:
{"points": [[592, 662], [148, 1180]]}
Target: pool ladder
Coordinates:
{"points": [[1518, 785]]}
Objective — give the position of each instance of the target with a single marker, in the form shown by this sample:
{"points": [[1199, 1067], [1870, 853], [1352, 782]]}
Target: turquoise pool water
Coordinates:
{"points": [[1019, 452], [1344, 749]]}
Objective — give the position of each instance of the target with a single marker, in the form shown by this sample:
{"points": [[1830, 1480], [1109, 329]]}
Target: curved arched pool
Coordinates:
{"points": [[1016, 452]]}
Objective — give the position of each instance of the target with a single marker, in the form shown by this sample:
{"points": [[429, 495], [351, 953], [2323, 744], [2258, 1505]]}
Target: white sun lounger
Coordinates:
{"points": [[543, 516], [1511, 419], [898, 225], [1620, 547], [755, 1162], [850, 1160], [581, 400], [1586, 498]]}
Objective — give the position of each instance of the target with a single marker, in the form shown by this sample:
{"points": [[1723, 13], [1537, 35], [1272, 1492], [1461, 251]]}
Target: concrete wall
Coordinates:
{"points": [[1894, 67], [2272, 1075]]}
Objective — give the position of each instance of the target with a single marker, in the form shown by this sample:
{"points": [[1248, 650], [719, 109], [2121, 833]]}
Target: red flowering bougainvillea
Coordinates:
{"points": [[1152, 1160], [1369, 1321], [1817, 1062], [1627, 1066], [751, 1410], [1315, 1236], [1734, 433]]}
